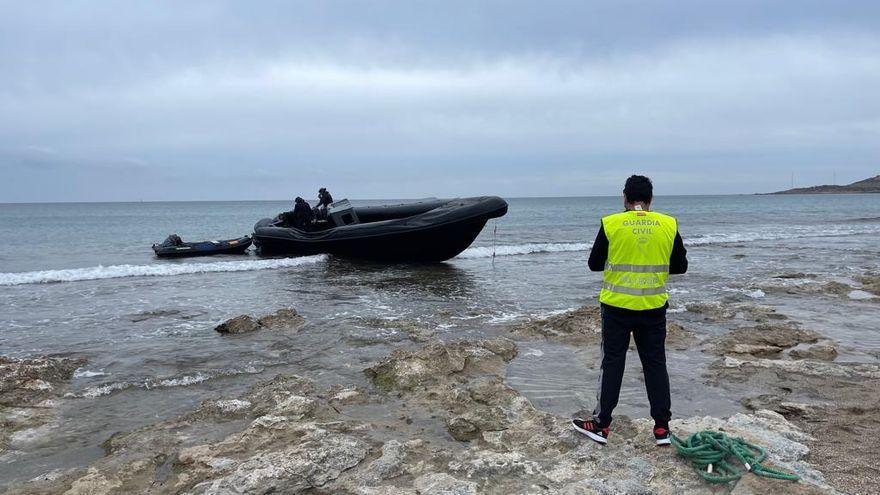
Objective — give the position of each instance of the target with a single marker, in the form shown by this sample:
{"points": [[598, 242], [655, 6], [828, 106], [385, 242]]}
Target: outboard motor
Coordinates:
{"points": [[172, 240]]}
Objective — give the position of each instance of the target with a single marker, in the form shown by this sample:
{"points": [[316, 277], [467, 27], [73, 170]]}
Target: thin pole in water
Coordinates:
{"points": [[494, 238]]}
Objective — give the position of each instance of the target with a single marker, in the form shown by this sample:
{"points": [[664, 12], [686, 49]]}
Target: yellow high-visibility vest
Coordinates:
{"points": [[639, 246]]}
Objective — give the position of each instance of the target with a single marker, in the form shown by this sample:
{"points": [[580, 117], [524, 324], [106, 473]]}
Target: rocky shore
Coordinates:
{"points": [[29, 392], [437, 417]]}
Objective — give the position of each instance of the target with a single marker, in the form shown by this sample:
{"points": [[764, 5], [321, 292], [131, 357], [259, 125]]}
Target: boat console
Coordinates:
{"points": [[342, 213]]}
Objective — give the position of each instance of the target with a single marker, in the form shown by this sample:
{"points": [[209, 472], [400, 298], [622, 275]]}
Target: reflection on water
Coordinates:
{"points": [[562, 379]]}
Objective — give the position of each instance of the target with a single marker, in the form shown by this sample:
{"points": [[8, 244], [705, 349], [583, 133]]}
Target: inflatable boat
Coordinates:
{"points": [[428, 230], [174, 247]]}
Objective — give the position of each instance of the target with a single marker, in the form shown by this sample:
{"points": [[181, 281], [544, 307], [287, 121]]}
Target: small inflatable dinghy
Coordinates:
{"points": [[429, 230], [174, 247]]}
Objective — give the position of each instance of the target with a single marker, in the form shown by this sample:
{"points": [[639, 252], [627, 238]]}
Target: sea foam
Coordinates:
{"points": [[800, 232], [519, 249], [173, 381], [699, 240], [154, 270]]}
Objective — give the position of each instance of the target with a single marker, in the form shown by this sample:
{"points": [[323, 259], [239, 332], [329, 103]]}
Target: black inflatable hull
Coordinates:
{"points": [[441, 232], [206, 248]]}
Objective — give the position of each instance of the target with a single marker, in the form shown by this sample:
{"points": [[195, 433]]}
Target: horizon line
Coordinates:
{"points": [[350, 199]]}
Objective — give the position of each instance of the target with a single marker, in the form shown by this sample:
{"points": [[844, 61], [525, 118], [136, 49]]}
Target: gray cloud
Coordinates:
{"points": [[210, 100]]}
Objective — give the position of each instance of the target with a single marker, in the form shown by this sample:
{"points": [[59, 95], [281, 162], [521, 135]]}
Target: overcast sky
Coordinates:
{"points": [[154, 100]]}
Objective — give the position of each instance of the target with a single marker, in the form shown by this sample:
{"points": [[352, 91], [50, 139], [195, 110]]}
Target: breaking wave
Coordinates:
{"points": [[518, 249], [799, 232], [155, 270], [698, 240], [174, 381]]}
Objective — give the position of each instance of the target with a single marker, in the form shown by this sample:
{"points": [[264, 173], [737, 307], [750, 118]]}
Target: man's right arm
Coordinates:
{"points": [[599, 253]]}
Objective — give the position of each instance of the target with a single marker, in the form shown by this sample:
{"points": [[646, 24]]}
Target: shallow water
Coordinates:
{"points": [[80, 279]]}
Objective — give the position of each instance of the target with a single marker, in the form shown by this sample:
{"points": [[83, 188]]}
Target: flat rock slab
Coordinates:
{"points": [[765, 340], [583, 326]]}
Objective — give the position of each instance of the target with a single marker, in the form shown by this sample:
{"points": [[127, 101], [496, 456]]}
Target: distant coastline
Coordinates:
{"points": [[866, 186]]}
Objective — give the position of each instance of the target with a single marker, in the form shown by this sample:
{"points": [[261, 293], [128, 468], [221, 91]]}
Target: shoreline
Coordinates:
{"points": [[440, 417]]}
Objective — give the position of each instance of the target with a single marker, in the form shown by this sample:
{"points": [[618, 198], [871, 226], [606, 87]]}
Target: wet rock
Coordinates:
{"points": [[760, 313], [165, 313], [835, 288], [405, 369], [807, 286], [147, 315], [283, 319], [584, 322], [678, 337], [29, 389], [870, 282], [795, 275], [713, 311], [238, 325], [824, 351], [31, 380], [798, 410], [804, 367], [584, 326], [764, 340], [716, 312]]}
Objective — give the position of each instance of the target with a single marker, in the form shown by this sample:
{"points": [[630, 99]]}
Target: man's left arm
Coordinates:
{"points": [[678, 262]]}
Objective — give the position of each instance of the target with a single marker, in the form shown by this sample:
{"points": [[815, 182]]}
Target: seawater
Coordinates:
{"points": [[80, 279]]}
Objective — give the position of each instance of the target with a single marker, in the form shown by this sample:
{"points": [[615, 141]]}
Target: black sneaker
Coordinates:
{"points": [[591, 429], [661, 435]]}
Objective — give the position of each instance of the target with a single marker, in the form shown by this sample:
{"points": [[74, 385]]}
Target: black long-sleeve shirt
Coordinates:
{"points": [[324, 199], [678, 262]]}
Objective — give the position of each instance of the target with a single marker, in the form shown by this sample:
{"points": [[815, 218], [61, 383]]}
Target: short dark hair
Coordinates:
{"points": [[638, 188]]}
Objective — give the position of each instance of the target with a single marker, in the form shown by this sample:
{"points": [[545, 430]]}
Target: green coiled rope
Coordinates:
{"points": [[710, 450]]}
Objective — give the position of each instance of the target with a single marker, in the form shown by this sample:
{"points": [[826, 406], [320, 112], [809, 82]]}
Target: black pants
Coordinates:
{"points": [[649, 331]]}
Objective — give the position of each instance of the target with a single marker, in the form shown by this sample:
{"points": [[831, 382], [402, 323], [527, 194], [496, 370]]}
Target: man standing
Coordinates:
{"points": [[636, 249]]}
